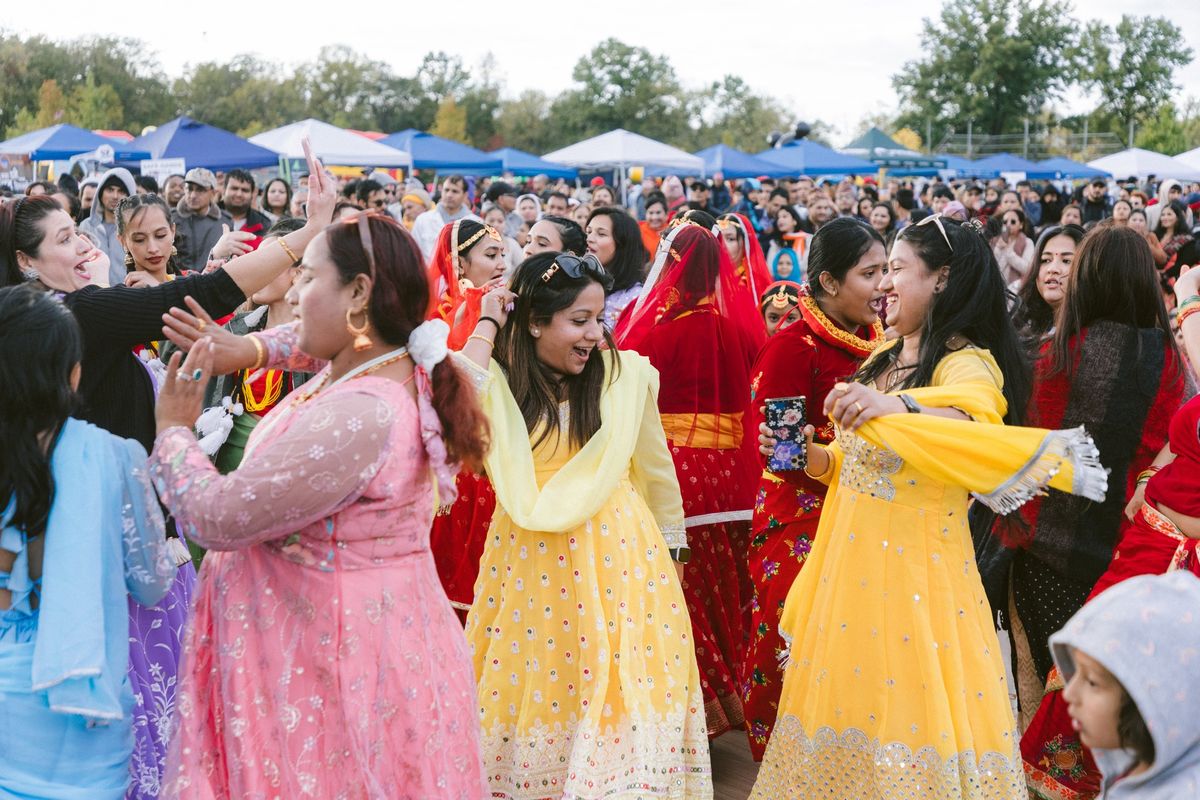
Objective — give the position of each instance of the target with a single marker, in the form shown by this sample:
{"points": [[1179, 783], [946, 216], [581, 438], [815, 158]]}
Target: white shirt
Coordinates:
{"points": [[427, 227]]}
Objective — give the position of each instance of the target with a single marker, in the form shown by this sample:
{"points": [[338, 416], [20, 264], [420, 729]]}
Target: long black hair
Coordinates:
{"points": [[40, 345], [628, 266], [836, 248], [1181, 220], [573, 238], [1033, 316], [134, 206], [973, 305], [538, 390]]}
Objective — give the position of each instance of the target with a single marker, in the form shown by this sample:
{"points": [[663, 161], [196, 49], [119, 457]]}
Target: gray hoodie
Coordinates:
{"points": [[104, 234], [1146, 632]]}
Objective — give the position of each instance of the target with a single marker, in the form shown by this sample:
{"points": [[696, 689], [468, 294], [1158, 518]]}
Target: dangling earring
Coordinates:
{"points": [[174, 252], [129, 260], [361, 340]]}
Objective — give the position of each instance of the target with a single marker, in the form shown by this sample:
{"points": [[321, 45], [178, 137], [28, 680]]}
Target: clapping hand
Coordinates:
{"points": [[228, 351], [182, 395]]}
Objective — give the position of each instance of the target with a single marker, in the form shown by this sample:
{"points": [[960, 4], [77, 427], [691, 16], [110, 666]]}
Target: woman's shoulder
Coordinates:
{"points": [[967, 362]]}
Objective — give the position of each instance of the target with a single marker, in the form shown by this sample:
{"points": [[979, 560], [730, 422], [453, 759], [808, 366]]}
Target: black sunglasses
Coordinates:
{"points": [[576, 267]]}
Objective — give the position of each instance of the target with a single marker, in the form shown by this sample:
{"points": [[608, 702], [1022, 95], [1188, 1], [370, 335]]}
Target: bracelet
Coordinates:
{"points": [[1190, 306], [1145, 475], [260, 352], [491, 320], [291, 253], [482, 339]]}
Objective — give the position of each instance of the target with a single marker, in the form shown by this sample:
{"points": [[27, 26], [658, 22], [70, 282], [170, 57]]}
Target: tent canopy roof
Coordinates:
{"points": [[1141, 163], [201, 145], [60, 142], [809, 158], [1063, 167], [331, 144], [621, 148], [883, 150], [518, 162], [435, 152]]}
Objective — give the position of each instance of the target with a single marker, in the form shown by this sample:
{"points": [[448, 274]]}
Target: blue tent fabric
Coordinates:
{"points": [[963, 166], [201, 145], [992, 166], [809, 158], [60, 142], [733, 163], [518, 162], [1062, 167], [434, 152]]}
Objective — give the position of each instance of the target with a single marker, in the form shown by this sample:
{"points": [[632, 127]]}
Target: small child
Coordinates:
{"points": [[1131, 658]]}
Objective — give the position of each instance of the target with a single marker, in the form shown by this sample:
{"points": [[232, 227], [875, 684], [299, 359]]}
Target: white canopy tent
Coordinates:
{"points": [[332, 145], [1191, 158], [620, 150], [1140, 163]]}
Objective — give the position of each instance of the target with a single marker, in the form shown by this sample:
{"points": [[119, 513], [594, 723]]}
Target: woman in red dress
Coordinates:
{"points": [[746, 253], [700, 329], [839, 327], [468, 261]]}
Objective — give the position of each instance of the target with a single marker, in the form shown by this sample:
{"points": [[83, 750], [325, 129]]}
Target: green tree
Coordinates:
{"points": [[731, 113], [622, 87], [96, 105], [451, 120], [481, 99], [524, 122], [992, 62], [1171, 130], [1133, 65]]}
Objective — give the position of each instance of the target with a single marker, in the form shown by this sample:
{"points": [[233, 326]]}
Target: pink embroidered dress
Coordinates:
{"points": [[323, 659]]}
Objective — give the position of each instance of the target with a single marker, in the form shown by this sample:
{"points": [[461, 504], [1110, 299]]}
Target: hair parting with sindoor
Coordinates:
{"points": [[399, 301], [40, 345], [538, 391], [972, 305]]}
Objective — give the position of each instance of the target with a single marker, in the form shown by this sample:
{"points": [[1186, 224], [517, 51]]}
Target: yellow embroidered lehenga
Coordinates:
{"points": [[582, 644], [894, 686]]}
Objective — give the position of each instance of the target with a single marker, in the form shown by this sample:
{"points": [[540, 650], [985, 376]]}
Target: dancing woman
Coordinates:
{"points": [[588, 685], [894, 682], [698, 326], [323, 659], [838, 327]]}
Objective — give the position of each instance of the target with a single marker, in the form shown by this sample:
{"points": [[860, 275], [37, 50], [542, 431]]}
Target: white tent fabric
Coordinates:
{"points": [[620, 149], [1138, 162], [1191, 158], [332, 145]]}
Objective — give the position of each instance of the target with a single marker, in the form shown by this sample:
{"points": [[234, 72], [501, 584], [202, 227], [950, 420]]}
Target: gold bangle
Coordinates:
{"points": [[1185, 311], [491, 343], [260, 352], [291, 254]]}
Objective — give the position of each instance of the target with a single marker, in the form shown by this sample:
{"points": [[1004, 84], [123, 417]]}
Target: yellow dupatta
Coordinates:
{"points": [[630, 442]]}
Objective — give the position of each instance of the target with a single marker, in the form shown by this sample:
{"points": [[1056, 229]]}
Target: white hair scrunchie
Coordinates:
{"points": [[427, 344]]}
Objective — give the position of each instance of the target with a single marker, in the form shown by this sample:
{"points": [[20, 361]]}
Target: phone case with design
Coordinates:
{"points": [[786, 418]]}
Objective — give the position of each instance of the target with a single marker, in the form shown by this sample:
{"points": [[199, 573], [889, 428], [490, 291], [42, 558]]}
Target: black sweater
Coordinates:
{"points": [[117, 392]]}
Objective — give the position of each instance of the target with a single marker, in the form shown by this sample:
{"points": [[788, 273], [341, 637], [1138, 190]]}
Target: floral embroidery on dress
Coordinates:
{"points": [[866, 468]]}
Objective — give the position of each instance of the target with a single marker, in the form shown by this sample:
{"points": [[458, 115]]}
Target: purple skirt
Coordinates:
{"points": [[155, 646]]}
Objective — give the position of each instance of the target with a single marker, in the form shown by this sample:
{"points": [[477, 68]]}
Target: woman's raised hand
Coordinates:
{"points": [[497, 303], [229, 352], [322, 193]]}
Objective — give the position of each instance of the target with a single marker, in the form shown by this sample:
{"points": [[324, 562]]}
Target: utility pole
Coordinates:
{"points": [[928, 135], [1131, 133], [1025, 152], [970, 128]]}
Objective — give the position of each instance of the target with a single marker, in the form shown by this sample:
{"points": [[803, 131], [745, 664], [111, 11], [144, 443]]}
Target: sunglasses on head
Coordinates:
{"points": [[576, 267], [936, 219]]}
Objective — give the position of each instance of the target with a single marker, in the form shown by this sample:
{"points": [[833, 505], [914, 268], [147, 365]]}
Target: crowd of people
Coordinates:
{"points": [[373, 488]]}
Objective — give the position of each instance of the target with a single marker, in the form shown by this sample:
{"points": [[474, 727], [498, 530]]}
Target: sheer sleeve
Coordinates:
{"points": [[149, 569], [283, 350], [480, 378], [653, 473], [318, 467]]}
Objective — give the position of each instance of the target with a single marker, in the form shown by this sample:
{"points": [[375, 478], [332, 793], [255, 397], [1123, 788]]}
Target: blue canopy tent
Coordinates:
{"points": [[958, 164], [993, 166], [518, 162], [442, 155], [60, 142], [201, 145], [809, 158], [879, 148], [1060, 167], [733, 163]]}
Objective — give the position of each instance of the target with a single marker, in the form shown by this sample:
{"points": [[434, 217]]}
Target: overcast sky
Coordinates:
{"points": [[827, 60]]}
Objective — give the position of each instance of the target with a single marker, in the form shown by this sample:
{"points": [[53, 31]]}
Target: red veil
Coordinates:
{"points": [[753, 271], [700, 327], [449, 293]]}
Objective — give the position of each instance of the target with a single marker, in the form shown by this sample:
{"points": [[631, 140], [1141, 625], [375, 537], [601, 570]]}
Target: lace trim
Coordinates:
{"points": [[656, 756], [675, 534], [1074, 445], [852, 765], [719, 517]]}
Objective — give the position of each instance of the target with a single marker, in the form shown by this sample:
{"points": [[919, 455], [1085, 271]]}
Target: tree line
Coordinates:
{"points": [[991, 63]]}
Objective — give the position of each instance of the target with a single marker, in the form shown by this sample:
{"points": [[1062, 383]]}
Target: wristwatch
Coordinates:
{"points": [[910, 404], [681, 554]]}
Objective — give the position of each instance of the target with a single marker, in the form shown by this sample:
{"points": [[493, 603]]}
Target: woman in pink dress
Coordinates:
{"points": [[323, 659]]}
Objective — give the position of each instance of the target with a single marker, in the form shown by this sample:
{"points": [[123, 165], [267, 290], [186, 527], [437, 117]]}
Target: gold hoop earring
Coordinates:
{"points": [[361, 340]]}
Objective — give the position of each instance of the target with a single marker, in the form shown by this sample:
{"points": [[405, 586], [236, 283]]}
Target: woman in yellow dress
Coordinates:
{"points": [[894, 685], [588, 683]]}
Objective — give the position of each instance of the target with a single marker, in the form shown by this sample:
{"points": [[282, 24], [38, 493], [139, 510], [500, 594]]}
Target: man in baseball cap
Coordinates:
{"points": [[504, 196], [198, 220]]}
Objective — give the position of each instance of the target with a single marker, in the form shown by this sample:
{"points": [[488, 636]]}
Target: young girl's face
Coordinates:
{"points": [[1093, 698]]}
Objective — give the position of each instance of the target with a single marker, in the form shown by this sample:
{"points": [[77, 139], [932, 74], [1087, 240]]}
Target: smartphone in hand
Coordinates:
{"points": [[786, 417]]}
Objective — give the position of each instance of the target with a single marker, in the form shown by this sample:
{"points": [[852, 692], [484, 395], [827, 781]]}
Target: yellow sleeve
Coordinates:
{"points": [[970, 381], [652, 471]]}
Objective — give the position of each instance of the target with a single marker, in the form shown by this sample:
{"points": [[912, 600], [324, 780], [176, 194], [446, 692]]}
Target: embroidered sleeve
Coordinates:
{"points": [[320, 465], [480, 378], [149, 569], [283, 350]]}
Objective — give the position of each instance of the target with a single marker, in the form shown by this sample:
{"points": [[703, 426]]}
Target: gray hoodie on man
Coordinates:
{"points": [[197, 234], [104, 234], [1146, 632]]}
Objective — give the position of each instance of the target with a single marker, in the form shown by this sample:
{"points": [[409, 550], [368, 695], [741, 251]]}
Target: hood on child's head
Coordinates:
{"points": [[1146, 632]]}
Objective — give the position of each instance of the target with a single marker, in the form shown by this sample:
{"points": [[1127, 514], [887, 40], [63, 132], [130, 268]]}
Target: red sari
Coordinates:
{"points": [[806, 358], [699, 328], [1057, 765], [752, 272], [459, 532]]}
